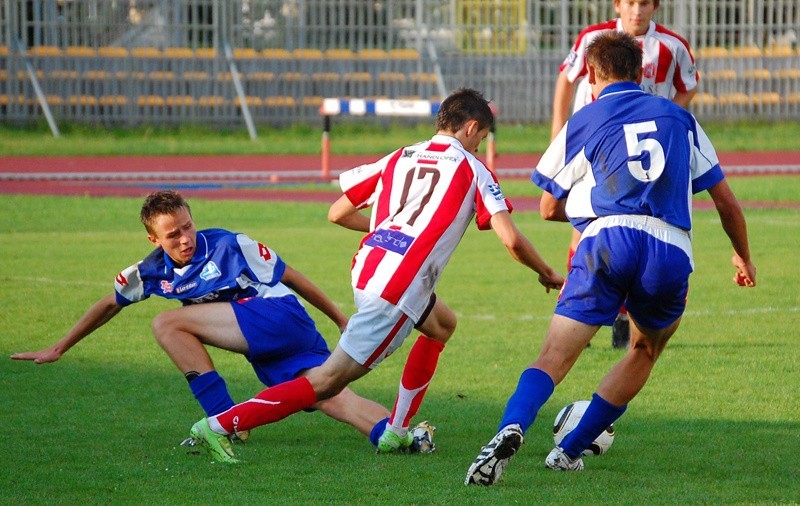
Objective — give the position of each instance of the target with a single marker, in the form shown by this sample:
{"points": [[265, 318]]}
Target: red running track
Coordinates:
{"points": [[255, 177]]}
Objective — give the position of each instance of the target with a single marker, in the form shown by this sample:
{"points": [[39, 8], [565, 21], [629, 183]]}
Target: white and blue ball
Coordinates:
{"points": [[568, 418]]}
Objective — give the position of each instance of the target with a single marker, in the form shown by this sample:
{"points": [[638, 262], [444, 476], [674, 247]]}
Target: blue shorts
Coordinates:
{"points": [[282, 337], [618, 266]]}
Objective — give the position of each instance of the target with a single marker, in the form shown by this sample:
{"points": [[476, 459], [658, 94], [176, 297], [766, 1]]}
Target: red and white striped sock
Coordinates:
{"points": [[417, 375]]}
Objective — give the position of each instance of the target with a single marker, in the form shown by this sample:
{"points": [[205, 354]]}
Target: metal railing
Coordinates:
{"points": [[132, 62]]}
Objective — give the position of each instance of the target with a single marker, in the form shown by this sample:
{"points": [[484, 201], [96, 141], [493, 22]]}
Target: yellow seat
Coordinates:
{"points": [[205, 52], [83, 100], [373, 54], [81, 51], [44, 51], [778, 51], [704, 99], [787, 74], [394, 77], [339, 54], [766, 98], [150, 101], [757, 74], [245, 52], [712, 52], [746, 51], [312, 101], [404, 54], [276, 54], [211, 101], [250, 101], [279, 101], [179, 52], [307, 54], [722, 74], [180, 101], [146, 52], [112, 52], [113, 100], [261, 76], [734, 99], [161, 75]]}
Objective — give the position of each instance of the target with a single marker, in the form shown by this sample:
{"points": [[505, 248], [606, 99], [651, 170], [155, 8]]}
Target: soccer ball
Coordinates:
{"points": [[568, 418]]}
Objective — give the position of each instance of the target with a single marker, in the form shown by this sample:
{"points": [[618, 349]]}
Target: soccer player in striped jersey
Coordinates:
{"points": [[423, 198], [668, 70], [236, 296], [622, 171]]}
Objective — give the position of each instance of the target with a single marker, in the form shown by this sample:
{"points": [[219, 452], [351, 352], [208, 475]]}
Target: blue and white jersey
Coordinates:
{"points": [[629, 153], [226, 266]]}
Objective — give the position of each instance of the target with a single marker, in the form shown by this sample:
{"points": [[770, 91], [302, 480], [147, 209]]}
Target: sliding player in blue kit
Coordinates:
{"points": [[622, 171], [237, 295]]}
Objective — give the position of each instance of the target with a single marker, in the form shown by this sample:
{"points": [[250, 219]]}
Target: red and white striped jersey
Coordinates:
{"points": [[423, 198], [667, 64]]}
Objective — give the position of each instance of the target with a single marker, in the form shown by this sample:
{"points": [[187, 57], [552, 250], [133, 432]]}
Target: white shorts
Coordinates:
{"points": [[376, 330]]}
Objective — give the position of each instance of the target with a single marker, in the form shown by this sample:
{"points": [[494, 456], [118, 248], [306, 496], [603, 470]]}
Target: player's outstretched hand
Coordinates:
{"points": [[39, 357], [551, 280], [745, 272]]}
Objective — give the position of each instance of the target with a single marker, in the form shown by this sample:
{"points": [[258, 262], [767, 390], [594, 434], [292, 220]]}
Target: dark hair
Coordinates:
{"points": [[160, 203], [655, 3], [460, 106], [615, 56]]}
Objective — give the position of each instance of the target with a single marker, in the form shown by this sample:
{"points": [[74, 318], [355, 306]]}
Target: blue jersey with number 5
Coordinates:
{"points": [[629, 153]]}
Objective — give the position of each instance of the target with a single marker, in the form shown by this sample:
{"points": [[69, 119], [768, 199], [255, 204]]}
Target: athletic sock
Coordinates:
{"points": [[211, 392], [533, 389], [273, 404], [377, 431], [599, 414], [417, 375]]}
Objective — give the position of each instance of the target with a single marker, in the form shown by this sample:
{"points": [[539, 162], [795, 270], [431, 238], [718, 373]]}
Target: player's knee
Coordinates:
{"points": [[163, 324], [326, 384]]}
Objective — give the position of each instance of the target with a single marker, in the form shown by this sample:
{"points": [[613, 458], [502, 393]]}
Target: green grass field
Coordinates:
{"points": [[717, 424]]}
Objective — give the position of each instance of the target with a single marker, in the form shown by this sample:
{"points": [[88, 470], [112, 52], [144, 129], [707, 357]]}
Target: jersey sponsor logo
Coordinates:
{"points": [[495, 190], [390, 240], [408, 153], [573, 56], [431, 156], [186, 287], [121, 280], [263, 251], [166, 286], [211, 271]]}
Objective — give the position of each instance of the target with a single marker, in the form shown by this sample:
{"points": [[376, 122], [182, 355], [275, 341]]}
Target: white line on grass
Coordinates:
{"points": [[58, 281]]}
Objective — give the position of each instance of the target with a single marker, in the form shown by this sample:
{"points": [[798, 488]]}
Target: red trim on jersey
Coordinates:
{"points": [[371, 264], [664, 62], [427, 162], [383, 206], [437, 148], [121, 280], [444, 215], [359, 194], [667, 31], [382, 347]]}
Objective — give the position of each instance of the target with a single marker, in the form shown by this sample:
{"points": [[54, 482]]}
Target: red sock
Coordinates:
{"points": [[417, 374], [273, 404]]}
